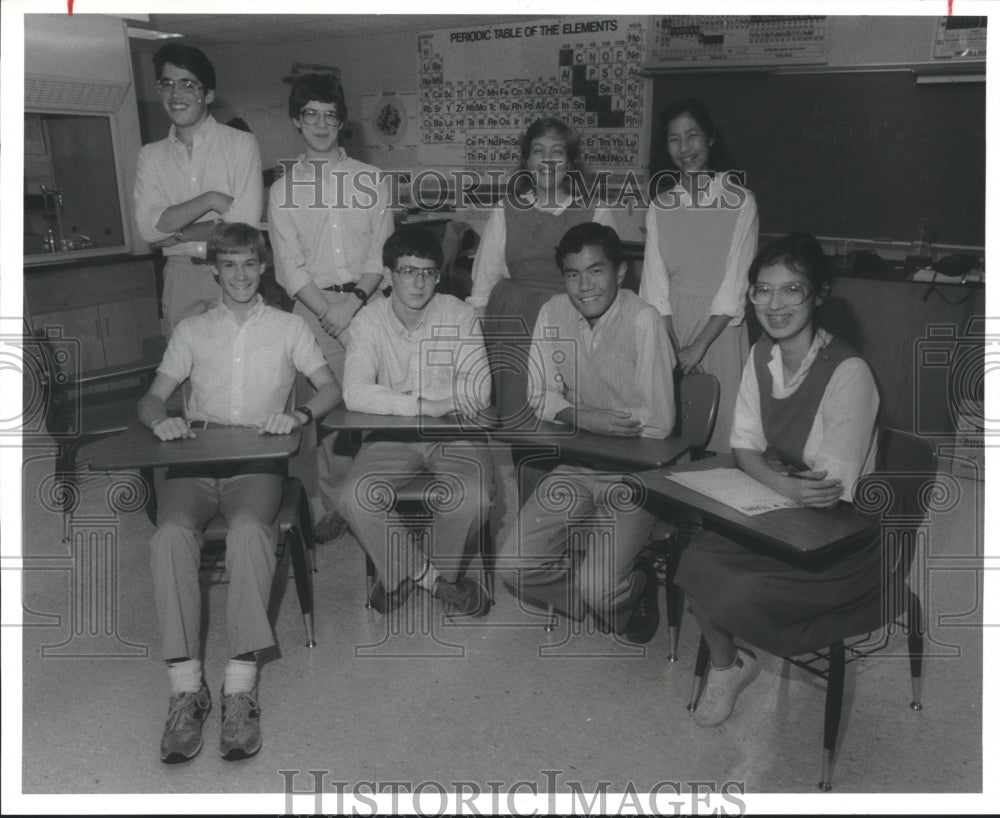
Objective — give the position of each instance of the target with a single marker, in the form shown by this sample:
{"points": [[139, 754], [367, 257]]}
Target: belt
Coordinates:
{"points": [[349, 287], [210, 424]]}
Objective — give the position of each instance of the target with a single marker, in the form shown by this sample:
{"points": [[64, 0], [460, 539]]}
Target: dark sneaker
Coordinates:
{"points": [[465, 596], [240, 726], [387, 602], [330, 529], [646, 614], [182, 735]]}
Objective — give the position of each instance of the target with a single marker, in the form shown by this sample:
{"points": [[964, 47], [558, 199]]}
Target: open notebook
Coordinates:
{"points": [[735, 488]]}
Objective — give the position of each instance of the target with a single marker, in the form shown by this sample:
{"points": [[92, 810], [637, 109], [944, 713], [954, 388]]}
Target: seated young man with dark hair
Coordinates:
{"points": [[607, 368], [241, 358], [419, 353]]}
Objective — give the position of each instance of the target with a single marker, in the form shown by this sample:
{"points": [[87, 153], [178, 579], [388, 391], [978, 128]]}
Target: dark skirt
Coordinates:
{"points": [[507, 326], [786, 609]]}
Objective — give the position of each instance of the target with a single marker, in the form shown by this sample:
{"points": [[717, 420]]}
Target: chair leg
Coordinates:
{"points": [[831, 718], [700, 666], [553, 620], [915, 643], [489, 558], [303, 584], [369, 580], [674, 613], [674, 599], [306, 529]]}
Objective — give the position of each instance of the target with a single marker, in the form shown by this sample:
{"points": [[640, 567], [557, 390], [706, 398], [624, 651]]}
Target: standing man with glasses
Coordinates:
{"points": [[419, 353], [328, 218], [201, 174]]}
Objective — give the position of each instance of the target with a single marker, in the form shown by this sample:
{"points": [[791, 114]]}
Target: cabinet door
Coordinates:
{"points": [[124, 325], [81, 331], [77, 339]]}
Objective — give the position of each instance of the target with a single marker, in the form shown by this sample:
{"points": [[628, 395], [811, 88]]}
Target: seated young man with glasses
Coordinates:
{"points": [[202, 173], [418, 353], [328, 258]]}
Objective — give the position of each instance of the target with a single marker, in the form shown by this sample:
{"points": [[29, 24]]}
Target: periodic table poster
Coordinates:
{"points": [[482, 87]]}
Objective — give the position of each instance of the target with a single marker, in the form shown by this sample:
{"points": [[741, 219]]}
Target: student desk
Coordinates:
{"points": [[796, 531], [600, 451], [344, 420], [138, 448]]}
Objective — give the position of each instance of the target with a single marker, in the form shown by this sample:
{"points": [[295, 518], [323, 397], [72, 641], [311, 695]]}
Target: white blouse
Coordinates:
{"points": [[843, 436]]}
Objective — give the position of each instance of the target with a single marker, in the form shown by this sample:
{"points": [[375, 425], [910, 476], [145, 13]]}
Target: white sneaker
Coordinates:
{"points": [[722, 688]]}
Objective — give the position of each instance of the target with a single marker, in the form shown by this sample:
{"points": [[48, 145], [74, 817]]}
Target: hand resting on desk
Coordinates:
{"points": [[614, 422], [808, 488], [172, 428]]}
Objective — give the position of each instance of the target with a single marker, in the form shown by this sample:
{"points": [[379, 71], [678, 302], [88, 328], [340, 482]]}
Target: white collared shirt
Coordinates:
{"points": [[842, 438], [221, 158], [240, 372], [389, 367], [337, 242]]}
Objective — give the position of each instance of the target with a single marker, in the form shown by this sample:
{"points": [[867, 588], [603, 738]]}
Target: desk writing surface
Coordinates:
{"points": [[602, 451], [796, 530], [627, 452], [138, 447], [344, 420]]}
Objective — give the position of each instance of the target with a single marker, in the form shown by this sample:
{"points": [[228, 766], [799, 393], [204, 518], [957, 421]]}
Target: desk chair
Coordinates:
{"points": [[74, 412], [697, 407], [294, 522], [414, 504], [901, 491]]}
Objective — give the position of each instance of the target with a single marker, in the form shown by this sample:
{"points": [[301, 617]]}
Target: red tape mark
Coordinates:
{"points": [[69, 6]]}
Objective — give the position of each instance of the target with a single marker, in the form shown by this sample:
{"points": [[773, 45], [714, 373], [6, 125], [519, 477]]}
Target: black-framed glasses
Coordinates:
{"points": [[186, 87], [310, 116], [792, 295], [409, 274]]}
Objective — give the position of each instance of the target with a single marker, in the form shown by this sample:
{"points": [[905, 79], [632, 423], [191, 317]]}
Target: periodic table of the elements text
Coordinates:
{"points": [[481, 88]]}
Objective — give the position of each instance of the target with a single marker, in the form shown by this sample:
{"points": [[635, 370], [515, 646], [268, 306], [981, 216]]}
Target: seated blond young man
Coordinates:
{"points": [[419, 353], [241, 358], [607, 368]]}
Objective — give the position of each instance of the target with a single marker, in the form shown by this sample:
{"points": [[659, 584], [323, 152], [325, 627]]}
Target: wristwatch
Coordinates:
{"points": [[305, 410], [360, 294]]}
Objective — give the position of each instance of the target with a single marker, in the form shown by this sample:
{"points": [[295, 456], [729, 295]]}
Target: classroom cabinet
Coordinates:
{"points": [[105, 311]]}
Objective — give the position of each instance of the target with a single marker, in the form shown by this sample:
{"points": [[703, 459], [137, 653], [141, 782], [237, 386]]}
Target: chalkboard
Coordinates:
{"points": [[861, 155]]}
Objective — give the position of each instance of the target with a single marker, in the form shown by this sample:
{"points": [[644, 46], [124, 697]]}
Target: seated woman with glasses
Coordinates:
{"points": [[804, 425]]}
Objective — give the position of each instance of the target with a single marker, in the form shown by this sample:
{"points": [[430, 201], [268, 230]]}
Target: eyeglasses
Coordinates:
{"points": [[311, 116], [409, 274], [185, 87], [792, 295]]}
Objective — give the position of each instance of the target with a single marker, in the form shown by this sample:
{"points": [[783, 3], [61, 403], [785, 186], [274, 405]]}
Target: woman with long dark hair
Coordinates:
{"points": [[701, 235]]}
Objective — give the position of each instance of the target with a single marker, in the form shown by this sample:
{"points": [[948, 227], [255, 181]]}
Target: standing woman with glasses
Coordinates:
{"points": [[701, 235], [515, 268], [805, 427], [201, 174]]}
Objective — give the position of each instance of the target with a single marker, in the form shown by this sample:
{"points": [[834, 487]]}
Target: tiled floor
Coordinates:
{"points": [[422, 699]]}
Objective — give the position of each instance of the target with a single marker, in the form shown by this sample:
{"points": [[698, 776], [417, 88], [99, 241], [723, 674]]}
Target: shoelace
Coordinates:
{"points": [[182, 706], [243, 705]]}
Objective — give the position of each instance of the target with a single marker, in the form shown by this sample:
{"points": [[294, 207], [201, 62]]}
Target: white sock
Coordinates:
{"points": [[428, 578], [185, 677], [241, 677]]}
